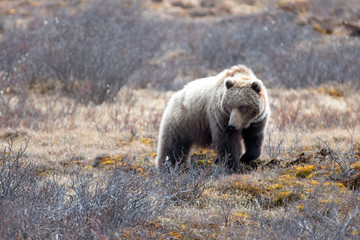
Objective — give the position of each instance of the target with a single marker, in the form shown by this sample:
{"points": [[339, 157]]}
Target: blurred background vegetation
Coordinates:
{"points": [[90, 49]]}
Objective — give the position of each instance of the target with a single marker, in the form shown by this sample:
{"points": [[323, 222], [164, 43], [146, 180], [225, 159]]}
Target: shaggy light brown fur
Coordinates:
{"points": [[223, 112]]}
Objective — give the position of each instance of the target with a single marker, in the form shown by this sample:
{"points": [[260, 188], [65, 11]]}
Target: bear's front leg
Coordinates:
{"points": [[253, 137], [228, 147]]}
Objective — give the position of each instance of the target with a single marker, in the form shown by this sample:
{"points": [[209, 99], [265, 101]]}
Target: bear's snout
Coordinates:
{"points": [[231, 127], [235, 120]]}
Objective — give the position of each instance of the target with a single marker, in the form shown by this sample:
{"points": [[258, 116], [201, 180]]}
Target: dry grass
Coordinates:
{"points": [[296, 168], [130, 125]]}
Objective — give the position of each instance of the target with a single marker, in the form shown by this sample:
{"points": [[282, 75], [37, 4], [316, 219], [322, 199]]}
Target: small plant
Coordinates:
{"points": [[186, 187], [15, 174], [344, 165], [305, 171]]}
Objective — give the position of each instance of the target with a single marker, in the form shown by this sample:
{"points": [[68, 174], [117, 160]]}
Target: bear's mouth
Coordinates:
{"points": [[231, 128]]}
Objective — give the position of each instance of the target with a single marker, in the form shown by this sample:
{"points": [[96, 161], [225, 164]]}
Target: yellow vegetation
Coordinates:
{"points": [[356, 165], [250, 188], [175, 235], [118, 161], [332, 91], [314, 182], [287, 177], [108, 160], [341, 185], [45, 172], [147, 141], [204, 157], [276, 186], [319, 28], [333, 184], [240, 217], [74, 162], [300, 207], [303, 172], [224, 196], [324, 201], [204, 162], [294, 5], [285, 197]]}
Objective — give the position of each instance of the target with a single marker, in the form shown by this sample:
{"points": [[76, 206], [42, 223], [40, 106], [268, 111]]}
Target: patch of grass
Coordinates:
{"points": [[305, 171], [77, 204]]}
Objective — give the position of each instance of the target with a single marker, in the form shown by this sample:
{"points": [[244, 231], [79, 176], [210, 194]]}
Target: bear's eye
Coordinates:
{"points": [[241, 109]]}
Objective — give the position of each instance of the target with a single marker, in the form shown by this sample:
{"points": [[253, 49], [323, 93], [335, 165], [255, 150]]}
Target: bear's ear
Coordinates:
{"points": [[229, 83], [256, 87]]}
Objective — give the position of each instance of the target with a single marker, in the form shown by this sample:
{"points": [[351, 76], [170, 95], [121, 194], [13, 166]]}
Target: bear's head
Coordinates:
{"points": [[243, 102]]}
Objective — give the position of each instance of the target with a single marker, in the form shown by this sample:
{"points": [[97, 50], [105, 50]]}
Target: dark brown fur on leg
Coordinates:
{"points": [[173, 151], [228, 147], [253, 139]]}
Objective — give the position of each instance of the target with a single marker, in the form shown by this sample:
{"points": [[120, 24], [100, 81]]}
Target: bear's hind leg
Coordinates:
{"points": [[173, 153]]}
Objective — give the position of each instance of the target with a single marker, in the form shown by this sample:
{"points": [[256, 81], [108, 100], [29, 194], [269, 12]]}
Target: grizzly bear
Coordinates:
{"points": [[223, 112]]}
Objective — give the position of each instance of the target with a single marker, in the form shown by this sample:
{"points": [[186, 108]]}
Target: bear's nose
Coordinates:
{"points": [[231, 127]]}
